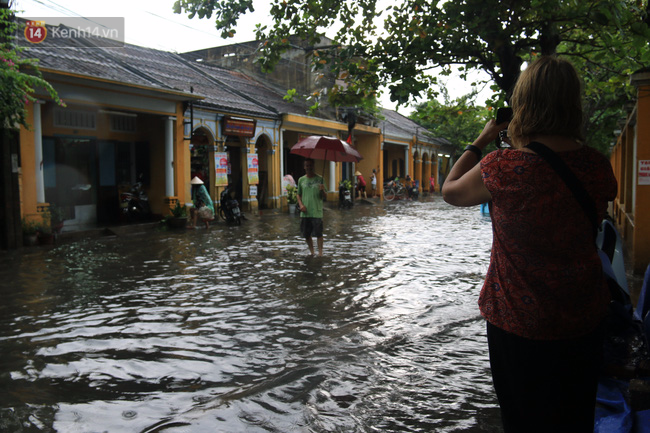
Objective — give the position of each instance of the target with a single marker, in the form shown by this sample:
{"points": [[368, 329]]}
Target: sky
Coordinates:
{"points": [[153, 24]]}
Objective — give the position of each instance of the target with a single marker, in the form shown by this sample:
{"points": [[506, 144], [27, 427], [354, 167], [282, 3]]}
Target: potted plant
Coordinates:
{"points": [[178, 218], [44, 229], [292, 198], [29, 232], [56, 218]]}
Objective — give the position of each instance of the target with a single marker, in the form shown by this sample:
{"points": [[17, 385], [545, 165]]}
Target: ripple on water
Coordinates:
{"points": [[238, 330]]}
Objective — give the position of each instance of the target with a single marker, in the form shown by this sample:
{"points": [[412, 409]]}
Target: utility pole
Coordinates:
{"points": [[10, 222]]}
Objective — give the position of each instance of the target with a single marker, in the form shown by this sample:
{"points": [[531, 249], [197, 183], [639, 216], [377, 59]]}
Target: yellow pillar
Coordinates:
{"points": [[418, 171], [641, 240], [427, 174], [27, 176], [181, 156]]}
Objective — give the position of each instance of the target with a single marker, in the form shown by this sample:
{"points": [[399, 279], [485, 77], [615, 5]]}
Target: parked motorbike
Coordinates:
{"points": [[345, 197], [229, 208], [414, 193], [412, 188], [134, 204]]}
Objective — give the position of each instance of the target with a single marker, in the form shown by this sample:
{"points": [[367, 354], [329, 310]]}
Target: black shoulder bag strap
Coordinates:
{"points": [[587, 203], [572, 182]]}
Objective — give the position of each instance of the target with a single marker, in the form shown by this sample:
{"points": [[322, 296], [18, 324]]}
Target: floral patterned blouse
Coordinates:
{"points": [[545, 279]]}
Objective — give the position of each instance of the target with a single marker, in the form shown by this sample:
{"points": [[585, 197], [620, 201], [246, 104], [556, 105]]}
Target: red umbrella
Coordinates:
{"points": [[326, 148]]}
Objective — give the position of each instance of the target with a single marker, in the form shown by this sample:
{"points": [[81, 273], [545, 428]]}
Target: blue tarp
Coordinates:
{"points": [[613, 414]]}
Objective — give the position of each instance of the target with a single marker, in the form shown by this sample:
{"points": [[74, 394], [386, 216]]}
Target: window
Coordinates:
{"points": [[78, 119], [121, 123]]}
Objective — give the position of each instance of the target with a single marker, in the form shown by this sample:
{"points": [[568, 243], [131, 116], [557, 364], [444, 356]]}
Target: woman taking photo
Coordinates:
{"points": [[544, 295]]}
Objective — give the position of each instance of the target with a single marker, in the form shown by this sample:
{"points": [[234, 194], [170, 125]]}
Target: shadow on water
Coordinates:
{"points": [[238, 330]]}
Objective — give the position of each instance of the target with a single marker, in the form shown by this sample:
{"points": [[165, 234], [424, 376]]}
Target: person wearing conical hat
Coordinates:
{"points": [[201, 199], [361, 185]]}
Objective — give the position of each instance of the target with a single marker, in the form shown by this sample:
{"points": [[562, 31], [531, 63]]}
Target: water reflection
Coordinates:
{"points": [[238, 330]]}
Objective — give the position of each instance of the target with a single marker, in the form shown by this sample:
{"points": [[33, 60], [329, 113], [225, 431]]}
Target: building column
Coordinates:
{"points": [[169, 156], [281, 146], [417, 170], [38, 153], [407, 157], [426, 175], [281, 180]]}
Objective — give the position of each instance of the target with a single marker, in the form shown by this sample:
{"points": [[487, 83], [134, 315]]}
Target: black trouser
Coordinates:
{"points": [[545, 386]]}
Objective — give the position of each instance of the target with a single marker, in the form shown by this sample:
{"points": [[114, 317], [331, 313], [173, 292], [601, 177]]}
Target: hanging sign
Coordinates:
{"points": [[253, 169], [239, 127], [644, 172], [221, 165]]}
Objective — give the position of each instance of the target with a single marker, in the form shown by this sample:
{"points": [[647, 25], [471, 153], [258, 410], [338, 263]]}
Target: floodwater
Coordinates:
{"points": [[238, 330]]}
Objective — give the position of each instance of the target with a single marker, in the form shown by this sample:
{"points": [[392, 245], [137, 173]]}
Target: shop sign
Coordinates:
{"points": [[221, 165], [253, 191], [253, 169], [239, 127], [644, 172]]}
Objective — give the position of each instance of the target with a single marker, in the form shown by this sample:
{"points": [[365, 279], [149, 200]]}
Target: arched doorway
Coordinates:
{"points": [[417, 169], [202, 158], [235, 147]]}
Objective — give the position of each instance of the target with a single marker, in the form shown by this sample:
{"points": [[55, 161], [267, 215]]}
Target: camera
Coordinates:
{"points": [[503, 115]]}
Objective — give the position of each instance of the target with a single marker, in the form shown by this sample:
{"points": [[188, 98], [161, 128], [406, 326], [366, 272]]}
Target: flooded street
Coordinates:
{"points": [[238, 330]]}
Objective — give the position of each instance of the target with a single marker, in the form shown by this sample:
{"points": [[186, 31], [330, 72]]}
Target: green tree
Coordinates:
{"points": [[406, 40], [19, 76], [606, 92], [460, 121]]}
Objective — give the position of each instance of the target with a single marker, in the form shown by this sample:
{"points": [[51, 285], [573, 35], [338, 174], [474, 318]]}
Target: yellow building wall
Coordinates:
{"points": [[434, 171], [150, 128], [181, 158], [426, 163], [369, 147], [417, 171], [395, 154], [631, 209], [28, 203], [641, 238]]}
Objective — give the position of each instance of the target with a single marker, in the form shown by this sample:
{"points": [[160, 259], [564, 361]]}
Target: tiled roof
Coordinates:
{"points": [[223, 89], [250, 88], [397, 125], [72, 56], [148, 67]]}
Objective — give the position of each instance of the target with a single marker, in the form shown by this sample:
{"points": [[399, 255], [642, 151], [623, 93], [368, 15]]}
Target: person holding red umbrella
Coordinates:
{"points": [[311, 193]]}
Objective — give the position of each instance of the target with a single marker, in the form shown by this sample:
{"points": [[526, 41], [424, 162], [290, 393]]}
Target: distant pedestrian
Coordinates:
{"points": [[203, 207], [361, 185], [311, 193], [432, 185], [373, 183], [408, 183]]}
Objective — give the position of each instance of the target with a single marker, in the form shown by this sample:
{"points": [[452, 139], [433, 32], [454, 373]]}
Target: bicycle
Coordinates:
{"points": [[394, 189]]}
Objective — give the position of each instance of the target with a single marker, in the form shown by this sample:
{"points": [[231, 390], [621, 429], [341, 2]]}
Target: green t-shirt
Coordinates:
{"points": [[309, 192]]}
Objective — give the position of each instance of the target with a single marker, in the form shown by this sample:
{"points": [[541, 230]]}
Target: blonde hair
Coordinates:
{"points": [[546, 100]]}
